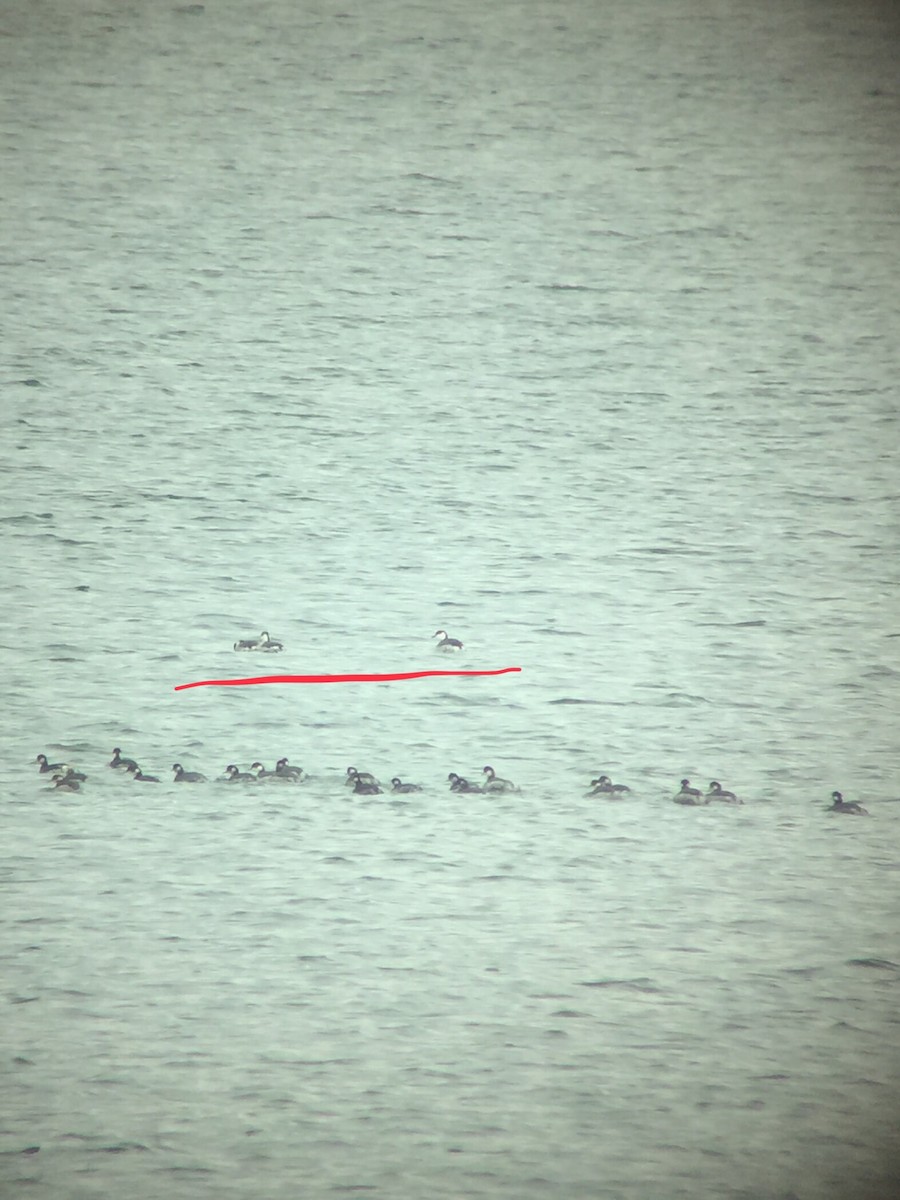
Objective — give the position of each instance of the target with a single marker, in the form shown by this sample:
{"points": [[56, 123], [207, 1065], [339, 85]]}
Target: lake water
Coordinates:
{"points": [[570, 329]]}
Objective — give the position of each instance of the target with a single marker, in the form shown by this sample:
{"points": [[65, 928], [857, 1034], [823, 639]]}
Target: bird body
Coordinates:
{"points": [[717, 792], [689, 795], [118, 763], [263, 643], [495, 784], [398, 786], [839, 804], [183, 776], [447, 643]]}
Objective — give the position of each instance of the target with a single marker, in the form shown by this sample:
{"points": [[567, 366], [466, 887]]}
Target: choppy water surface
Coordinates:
{"points": [[569, 329]]}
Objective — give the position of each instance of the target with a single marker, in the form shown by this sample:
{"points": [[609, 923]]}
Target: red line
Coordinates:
{"points": [[332, 678]]}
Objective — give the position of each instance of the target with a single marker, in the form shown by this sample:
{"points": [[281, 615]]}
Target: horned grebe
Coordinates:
{"points": [[605, 786], [689, 795], [120, 763], [354, 777], [142, 778], [495, 784], [362, 788], [459, 784], [283, 771], [447, 642], [398, 786], [717, 792], [237, 776], [263, 642], [839, 804], [48, 766], [70, 773], [183, 776]]}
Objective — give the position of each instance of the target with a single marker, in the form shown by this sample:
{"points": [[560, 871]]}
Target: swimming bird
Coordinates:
{"points": [[354, 777], [283, 771], [48, 766], [398, 786], [689, 795], [447, 642], [263, 642], [142, 778], [120, 763], [839, 804], [361, 788], [459, 784], [495, 783], [183, 776], [66, 784], [604, 786], [70, 773], [717, 792], [237, 776], [261, 772]]}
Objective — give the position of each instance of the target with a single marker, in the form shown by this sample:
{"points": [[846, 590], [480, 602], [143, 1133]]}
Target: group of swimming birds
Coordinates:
{"points": [[269, 645], [66, 778]]}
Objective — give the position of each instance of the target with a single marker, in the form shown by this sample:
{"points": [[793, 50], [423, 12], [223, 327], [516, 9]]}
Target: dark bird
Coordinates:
{"points": [[839, 804], [717, 792], [495, 783], [283, 771], [48, 766], [237, 776], [70, 773], [120, 763], [604, 786], [354, 777], [263, 642], [447, 642], [261, 772], [183, 776], [689, 795], [398, 786], [460, 784]]}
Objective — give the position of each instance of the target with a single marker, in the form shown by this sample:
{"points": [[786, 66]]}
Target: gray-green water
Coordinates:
{"points": [[570, 329]]}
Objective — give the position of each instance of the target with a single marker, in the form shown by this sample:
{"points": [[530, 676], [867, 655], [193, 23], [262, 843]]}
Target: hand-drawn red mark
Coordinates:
{"points": [[333, 678]]}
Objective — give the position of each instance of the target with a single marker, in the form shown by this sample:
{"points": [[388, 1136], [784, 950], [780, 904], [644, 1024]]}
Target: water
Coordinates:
{"points": [[567, 329]]}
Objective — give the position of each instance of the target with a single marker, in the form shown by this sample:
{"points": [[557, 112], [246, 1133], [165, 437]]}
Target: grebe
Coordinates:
{"points": [[263, 642], [354, 777], [717, 792], [142, 778], [495, 784], [398, 786], [447, 642], [117, 762], [49, 766], [70, 773], [839, 804], [362, 788], [458, 784], [183, 776], [283, 771], [689, 795], [237, 776], [605, 786]]}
